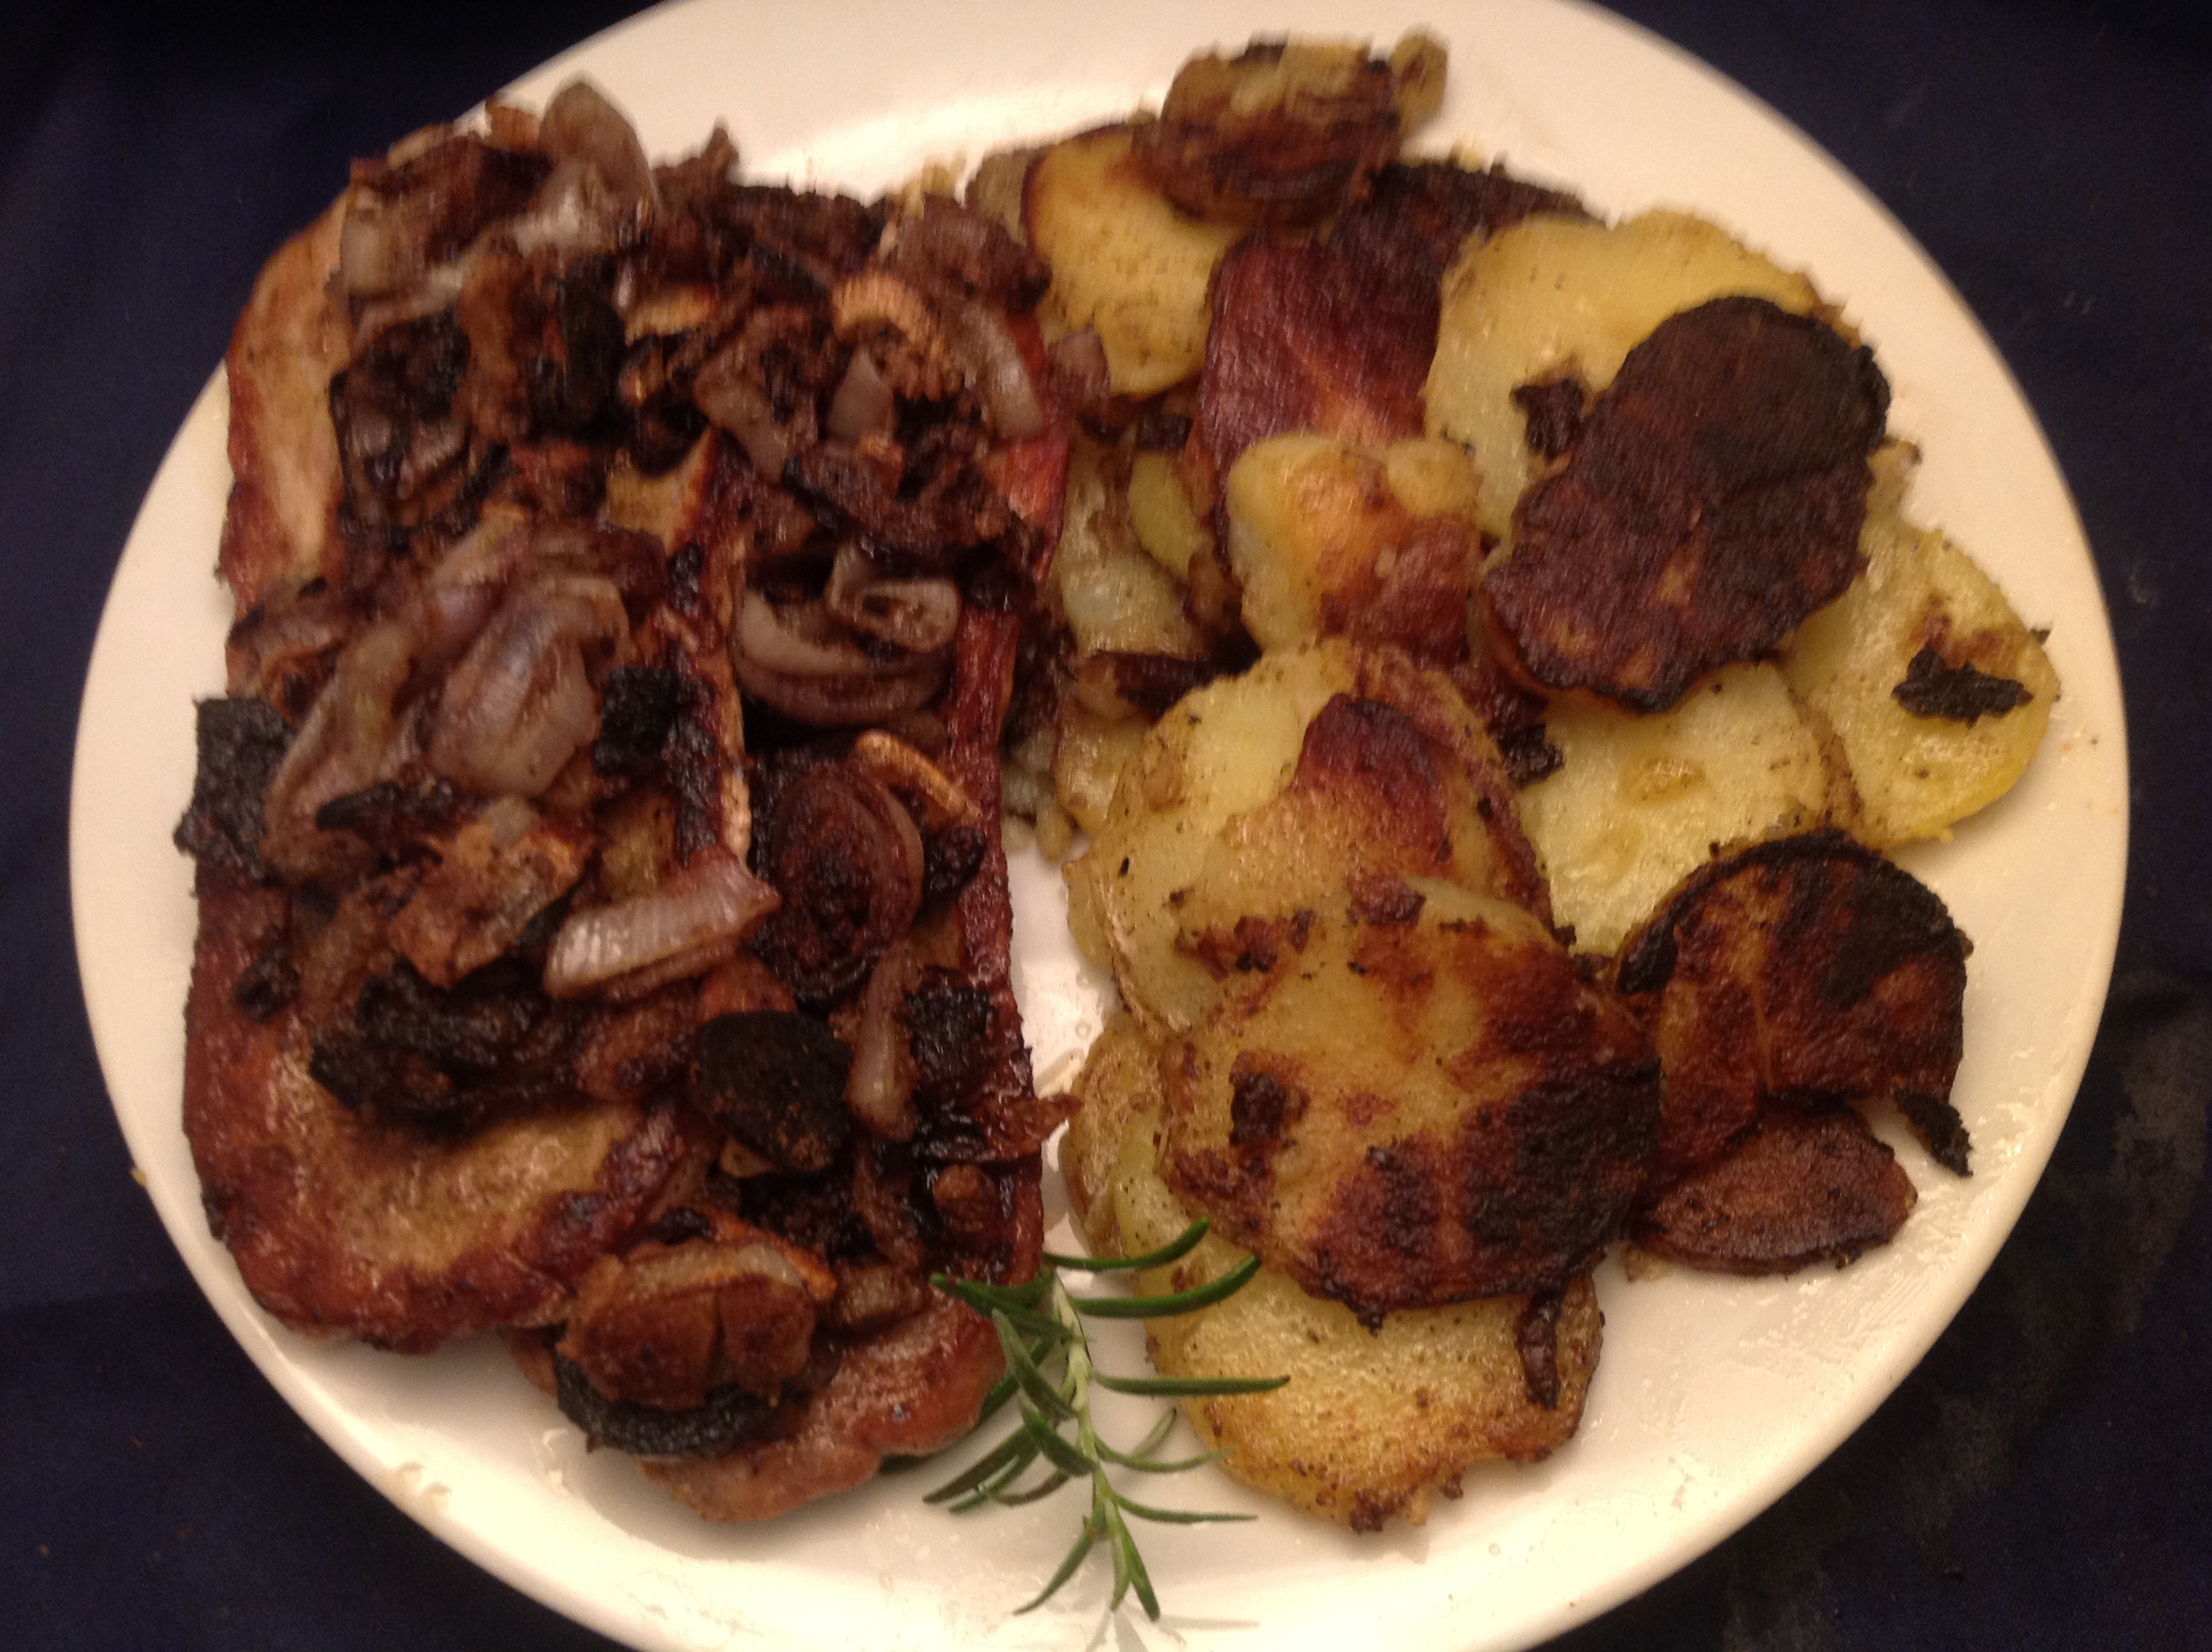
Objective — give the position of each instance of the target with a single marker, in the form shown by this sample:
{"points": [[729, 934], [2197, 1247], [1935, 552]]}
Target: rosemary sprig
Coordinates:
{"points": [[1049, 1377]]}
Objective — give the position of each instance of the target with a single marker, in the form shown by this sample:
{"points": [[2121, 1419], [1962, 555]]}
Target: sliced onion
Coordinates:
{"points": [[1077, 365], [464, 588], [879, 1088], [727, 394], [346, 742], [581, 124], [919, 616], [633, 560], [986, 348], [843, 702], [573, 213], [520, 703], [904, 772], [282, 637], [864, 404], [437, 289], [713, 901], [372, 254], [793, 660]]}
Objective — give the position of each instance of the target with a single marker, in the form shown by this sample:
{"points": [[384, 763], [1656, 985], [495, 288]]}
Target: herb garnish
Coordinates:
{"points": [[1049, 1376]]}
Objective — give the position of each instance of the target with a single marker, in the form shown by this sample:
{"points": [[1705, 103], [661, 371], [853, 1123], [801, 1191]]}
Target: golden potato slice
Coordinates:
{"points": [[1124, 261], [1552, 296], [1372, 1423], [1167, 522], [1376, 795], [1118, 1080], [1403, 780], [1088, 756], [1375, 543], [1638, 802], [1225, 749], [1115, 596], [1922, 612], [1419, 1102]]}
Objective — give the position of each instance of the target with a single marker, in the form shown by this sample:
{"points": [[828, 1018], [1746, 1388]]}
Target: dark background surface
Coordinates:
{"points": [[2043, 1479]]}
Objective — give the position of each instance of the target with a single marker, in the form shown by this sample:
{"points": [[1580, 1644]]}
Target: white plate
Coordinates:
{"points": [[1714, 1396]]}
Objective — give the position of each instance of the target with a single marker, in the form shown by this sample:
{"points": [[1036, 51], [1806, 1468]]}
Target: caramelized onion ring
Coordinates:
{"points": [[919, 616], [791, 660], [710, 904], [520, 703], [864, 404], [986, 348], [879, 1089]]}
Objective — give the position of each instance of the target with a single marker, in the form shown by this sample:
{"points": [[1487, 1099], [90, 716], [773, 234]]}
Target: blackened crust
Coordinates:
{"points": [[1713, 499], [1809, 968], [240, 742], [1803, 1189]]}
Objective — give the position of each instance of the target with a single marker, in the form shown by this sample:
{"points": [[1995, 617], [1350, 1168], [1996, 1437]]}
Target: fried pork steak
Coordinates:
{"points": [[604, 925]]}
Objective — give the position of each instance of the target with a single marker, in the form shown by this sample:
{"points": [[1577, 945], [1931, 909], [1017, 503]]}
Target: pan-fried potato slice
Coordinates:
{"points": [[1552, 296], [1168, 523], [1124, 260], [1331, 539], [1283, 131], [1225, 749], [1804, 971], [1399, 779], [1421, 1104], [1376, 795], [1372, 1423], [1919, 774], [1711, 500], [1803, 1187], [1088, 754], [1638, 802], [1419, 1101]]}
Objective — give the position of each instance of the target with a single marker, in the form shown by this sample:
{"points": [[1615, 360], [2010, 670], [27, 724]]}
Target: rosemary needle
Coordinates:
{"points": [[1048, 1380]]}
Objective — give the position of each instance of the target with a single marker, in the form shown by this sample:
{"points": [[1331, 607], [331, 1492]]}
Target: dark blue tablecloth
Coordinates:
{"points": [[2043, 1479]]}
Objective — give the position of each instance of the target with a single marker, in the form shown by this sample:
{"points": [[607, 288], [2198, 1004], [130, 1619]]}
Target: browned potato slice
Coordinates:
{"points": [[1552, 296], [1803, 1189], [1376, 544], [1125, 262], [1152, 888], [1423, 1103], [1713, 499], [1284, 130], [1809, 968], [1637, 803], [1372, 1423], [1923, 615], [1374, 797], [1119, 1080], [1225, 749]]}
